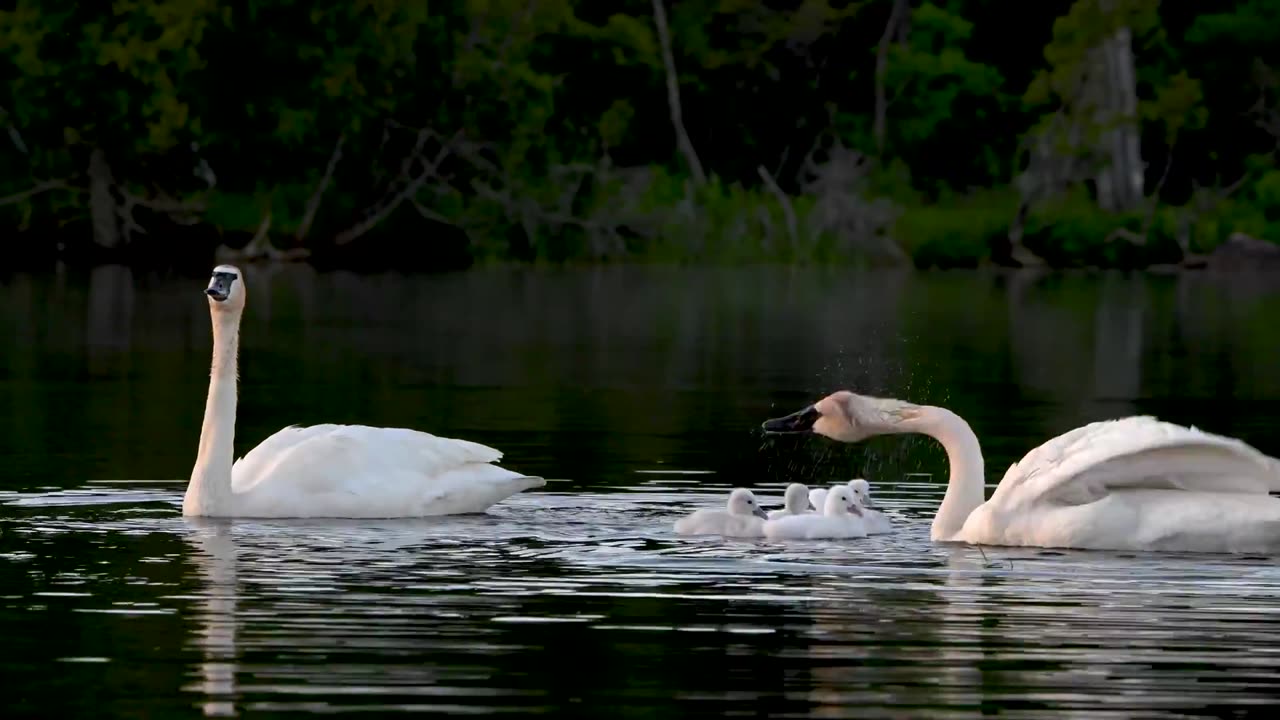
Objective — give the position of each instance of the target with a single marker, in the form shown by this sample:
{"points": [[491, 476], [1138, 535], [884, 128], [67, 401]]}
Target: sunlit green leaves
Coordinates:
{"points": [[1178, 105], [930, 72], [1084, 28]]}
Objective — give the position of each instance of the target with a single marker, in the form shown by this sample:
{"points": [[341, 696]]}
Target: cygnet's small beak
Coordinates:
{"points": [[855, 510], [811, 507], [868, 504], [760, 513], [797, 422]]}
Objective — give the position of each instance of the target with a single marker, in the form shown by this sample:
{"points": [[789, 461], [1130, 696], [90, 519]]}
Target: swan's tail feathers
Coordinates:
{"points": [[528, 482]]}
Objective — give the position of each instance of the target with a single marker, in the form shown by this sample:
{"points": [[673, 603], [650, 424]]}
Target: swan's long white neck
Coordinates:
{"points": [[209, 492], [966, 489]]}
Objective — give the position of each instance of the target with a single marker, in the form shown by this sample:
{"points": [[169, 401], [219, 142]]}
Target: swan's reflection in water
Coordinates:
{"points": [[215, 556], [587, 601]]}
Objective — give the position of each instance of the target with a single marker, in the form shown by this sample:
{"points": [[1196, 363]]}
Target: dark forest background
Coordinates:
{"points": [[950, 133]]}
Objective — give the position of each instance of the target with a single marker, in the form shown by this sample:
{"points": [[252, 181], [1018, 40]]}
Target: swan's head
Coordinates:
{"points": [[743, 502], [840, 501], [861, 492], [226, 289], [796, 499], [849, 417]]}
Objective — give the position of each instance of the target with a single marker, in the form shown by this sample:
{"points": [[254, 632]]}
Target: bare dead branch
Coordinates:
{"points": [[430, 214], [14, 136], [1122, 233], [162, 204], [683, 143], [313, 202], [258, 245], [40, 187], [411, 187], [896, 18], [788, 212]]}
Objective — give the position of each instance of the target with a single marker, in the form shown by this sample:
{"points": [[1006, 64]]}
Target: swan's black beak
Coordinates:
{"points": [[220, 286], [797, 422], [760, 513]]}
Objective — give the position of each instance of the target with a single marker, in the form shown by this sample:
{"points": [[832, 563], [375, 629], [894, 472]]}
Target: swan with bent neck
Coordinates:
{"points": [[1134, 483], [328, 471]]}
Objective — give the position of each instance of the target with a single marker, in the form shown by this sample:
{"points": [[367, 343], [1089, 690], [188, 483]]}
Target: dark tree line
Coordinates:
{"points": [[1086, 132]]}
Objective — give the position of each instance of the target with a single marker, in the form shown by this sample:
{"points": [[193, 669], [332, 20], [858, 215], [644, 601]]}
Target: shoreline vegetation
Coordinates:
{"points": [[1121, 134]]}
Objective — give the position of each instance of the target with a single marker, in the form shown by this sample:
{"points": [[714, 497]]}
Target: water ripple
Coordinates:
{"points": [[488, 613]]}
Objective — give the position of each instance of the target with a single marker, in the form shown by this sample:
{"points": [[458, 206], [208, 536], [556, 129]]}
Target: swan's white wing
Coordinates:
{"points": [[265, 454], [361, 471], [1137, 519], [1083, 465]]}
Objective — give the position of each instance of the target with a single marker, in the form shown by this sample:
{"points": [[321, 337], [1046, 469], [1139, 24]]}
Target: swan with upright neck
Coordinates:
{"points": [[1134, 483], [332, 471]]}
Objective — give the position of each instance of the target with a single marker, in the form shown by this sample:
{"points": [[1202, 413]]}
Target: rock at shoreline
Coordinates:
{"points": [[1241, 251]]}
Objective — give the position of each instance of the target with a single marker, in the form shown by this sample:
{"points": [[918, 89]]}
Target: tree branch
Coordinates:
{"points": [[409, 190], [14, 136], [896, 16], [788, 212], [1149, 216], [683, 143], [313, 202], [42, 186]]}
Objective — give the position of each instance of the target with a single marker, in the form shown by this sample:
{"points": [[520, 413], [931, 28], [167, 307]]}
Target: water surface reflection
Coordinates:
{"points": [[638, 394]]}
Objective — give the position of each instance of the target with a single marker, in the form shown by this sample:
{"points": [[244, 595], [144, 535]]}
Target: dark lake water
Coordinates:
{"points": [[638, 393]]}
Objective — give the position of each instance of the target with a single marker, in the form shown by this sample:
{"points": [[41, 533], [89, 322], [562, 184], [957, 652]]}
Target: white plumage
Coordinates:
{"points": [[336, 471], [877, 523], [795, 501], [742, 517], [1135, 483], [840, 519]]}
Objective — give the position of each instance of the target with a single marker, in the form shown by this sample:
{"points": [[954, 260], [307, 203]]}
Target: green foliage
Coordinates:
{"points": [[931, 73], [959, 232], [111, 75], [1077, 34], [554, 132]]}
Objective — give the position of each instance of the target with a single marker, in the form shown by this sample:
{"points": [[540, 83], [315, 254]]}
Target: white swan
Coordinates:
{"points": [[877, 522], [1130, 484], [795, 501], [841, 518], [336, 471], [742, 518]]}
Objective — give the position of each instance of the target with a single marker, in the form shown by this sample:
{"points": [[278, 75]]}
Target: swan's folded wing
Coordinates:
{"points": [[1138, 452], [322, 454], [252, 464]]}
